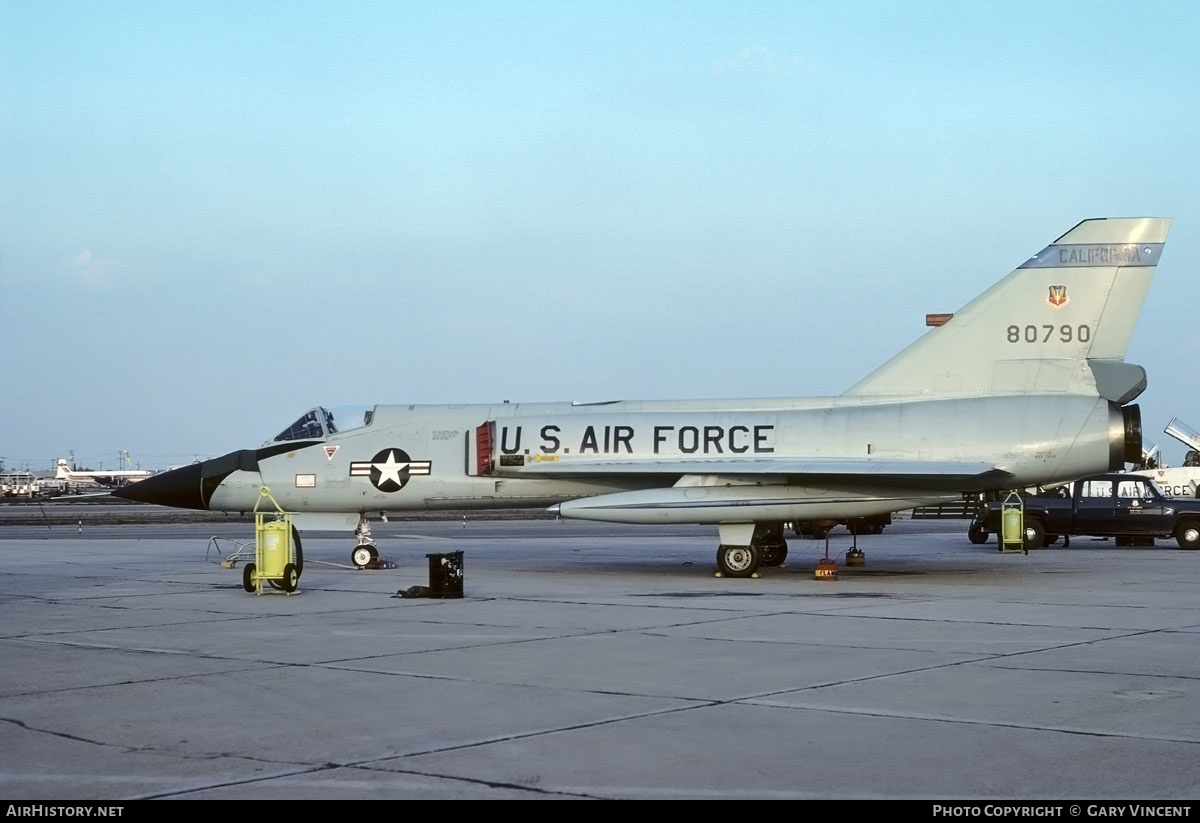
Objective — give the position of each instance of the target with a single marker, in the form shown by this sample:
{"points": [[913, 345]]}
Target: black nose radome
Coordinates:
{"points": [[178, 487], [191, 487]]}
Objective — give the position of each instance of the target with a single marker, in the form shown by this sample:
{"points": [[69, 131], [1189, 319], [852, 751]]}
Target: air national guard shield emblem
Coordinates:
{"points": [[1058, 296]]}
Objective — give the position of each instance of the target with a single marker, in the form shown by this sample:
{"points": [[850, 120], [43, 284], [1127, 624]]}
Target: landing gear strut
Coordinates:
{"points": [[365, 551]]}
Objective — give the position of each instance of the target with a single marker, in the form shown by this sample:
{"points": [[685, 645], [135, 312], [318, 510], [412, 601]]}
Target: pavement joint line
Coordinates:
{"points": [[328, 767], [23, 725], [984, 723]]}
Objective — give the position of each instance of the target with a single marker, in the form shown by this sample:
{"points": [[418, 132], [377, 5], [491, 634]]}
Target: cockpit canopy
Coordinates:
{"points": [[320, 423], [1184, 433]]}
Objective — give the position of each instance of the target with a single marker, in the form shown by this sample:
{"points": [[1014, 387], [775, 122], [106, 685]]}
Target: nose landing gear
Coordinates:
{"points": [[365, 552]]}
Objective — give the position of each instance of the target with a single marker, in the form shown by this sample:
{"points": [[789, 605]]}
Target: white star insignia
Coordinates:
{"points": [[390, 470]]}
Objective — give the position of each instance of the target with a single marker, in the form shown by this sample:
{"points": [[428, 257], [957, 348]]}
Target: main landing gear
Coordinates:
{"points": [[365, 552], [747, 547], [767, 548], [771, 545], [738, 561]]}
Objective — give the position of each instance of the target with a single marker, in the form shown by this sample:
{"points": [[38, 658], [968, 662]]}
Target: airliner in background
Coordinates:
{"points": [[109, 479]]}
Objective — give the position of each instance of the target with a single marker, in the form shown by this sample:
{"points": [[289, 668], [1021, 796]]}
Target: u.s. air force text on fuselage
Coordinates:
{"points": [[757, 438]]}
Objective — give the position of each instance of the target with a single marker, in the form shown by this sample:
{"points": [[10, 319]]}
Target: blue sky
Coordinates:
{"points": [[217, 215]]}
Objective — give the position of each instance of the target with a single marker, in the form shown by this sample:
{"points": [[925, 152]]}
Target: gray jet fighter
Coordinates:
{"points": [[1026, 385]]}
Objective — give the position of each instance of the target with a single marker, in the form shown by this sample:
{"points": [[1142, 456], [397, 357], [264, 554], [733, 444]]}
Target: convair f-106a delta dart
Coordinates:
{"points": [[1024, 386]]}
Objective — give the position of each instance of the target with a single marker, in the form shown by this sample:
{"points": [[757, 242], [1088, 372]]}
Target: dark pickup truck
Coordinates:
{"points": [[1104, 505]]}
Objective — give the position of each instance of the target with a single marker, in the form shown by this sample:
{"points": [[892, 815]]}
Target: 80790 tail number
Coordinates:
{"points": [[1047, 332]]}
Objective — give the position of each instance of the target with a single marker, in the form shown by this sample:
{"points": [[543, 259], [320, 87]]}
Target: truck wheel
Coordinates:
{"points": [[1035, 534], [1187, 534], [977, 534]]}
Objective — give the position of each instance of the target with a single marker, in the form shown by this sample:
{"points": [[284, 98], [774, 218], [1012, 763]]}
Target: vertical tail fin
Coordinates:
{"points": [[1060, 322]]}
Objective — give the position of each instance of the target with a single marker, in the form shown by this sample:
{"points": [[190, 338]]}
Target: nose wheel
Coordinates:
{"points": [[363, 554]]}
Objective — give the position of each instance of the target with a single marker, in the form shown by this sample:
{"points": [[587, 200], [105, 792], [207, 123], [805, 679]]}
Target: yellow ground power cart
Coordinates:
{"points": [[1012, 524], [274, 551]]}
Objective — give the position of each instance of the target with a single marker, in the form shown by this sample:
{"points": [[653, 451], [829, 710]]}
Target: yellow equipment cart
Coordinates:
{"points": [[274, 551], [1012, 524]]}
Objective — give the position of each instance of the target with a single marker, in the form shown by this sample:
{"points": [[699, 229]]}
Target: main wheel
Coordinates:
{"points": [[248, 582], [738, 561], [291, 576], [977, 534], [1187, 534], [768, 539], [1035, 534], [362, 555], [772, 554]]}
